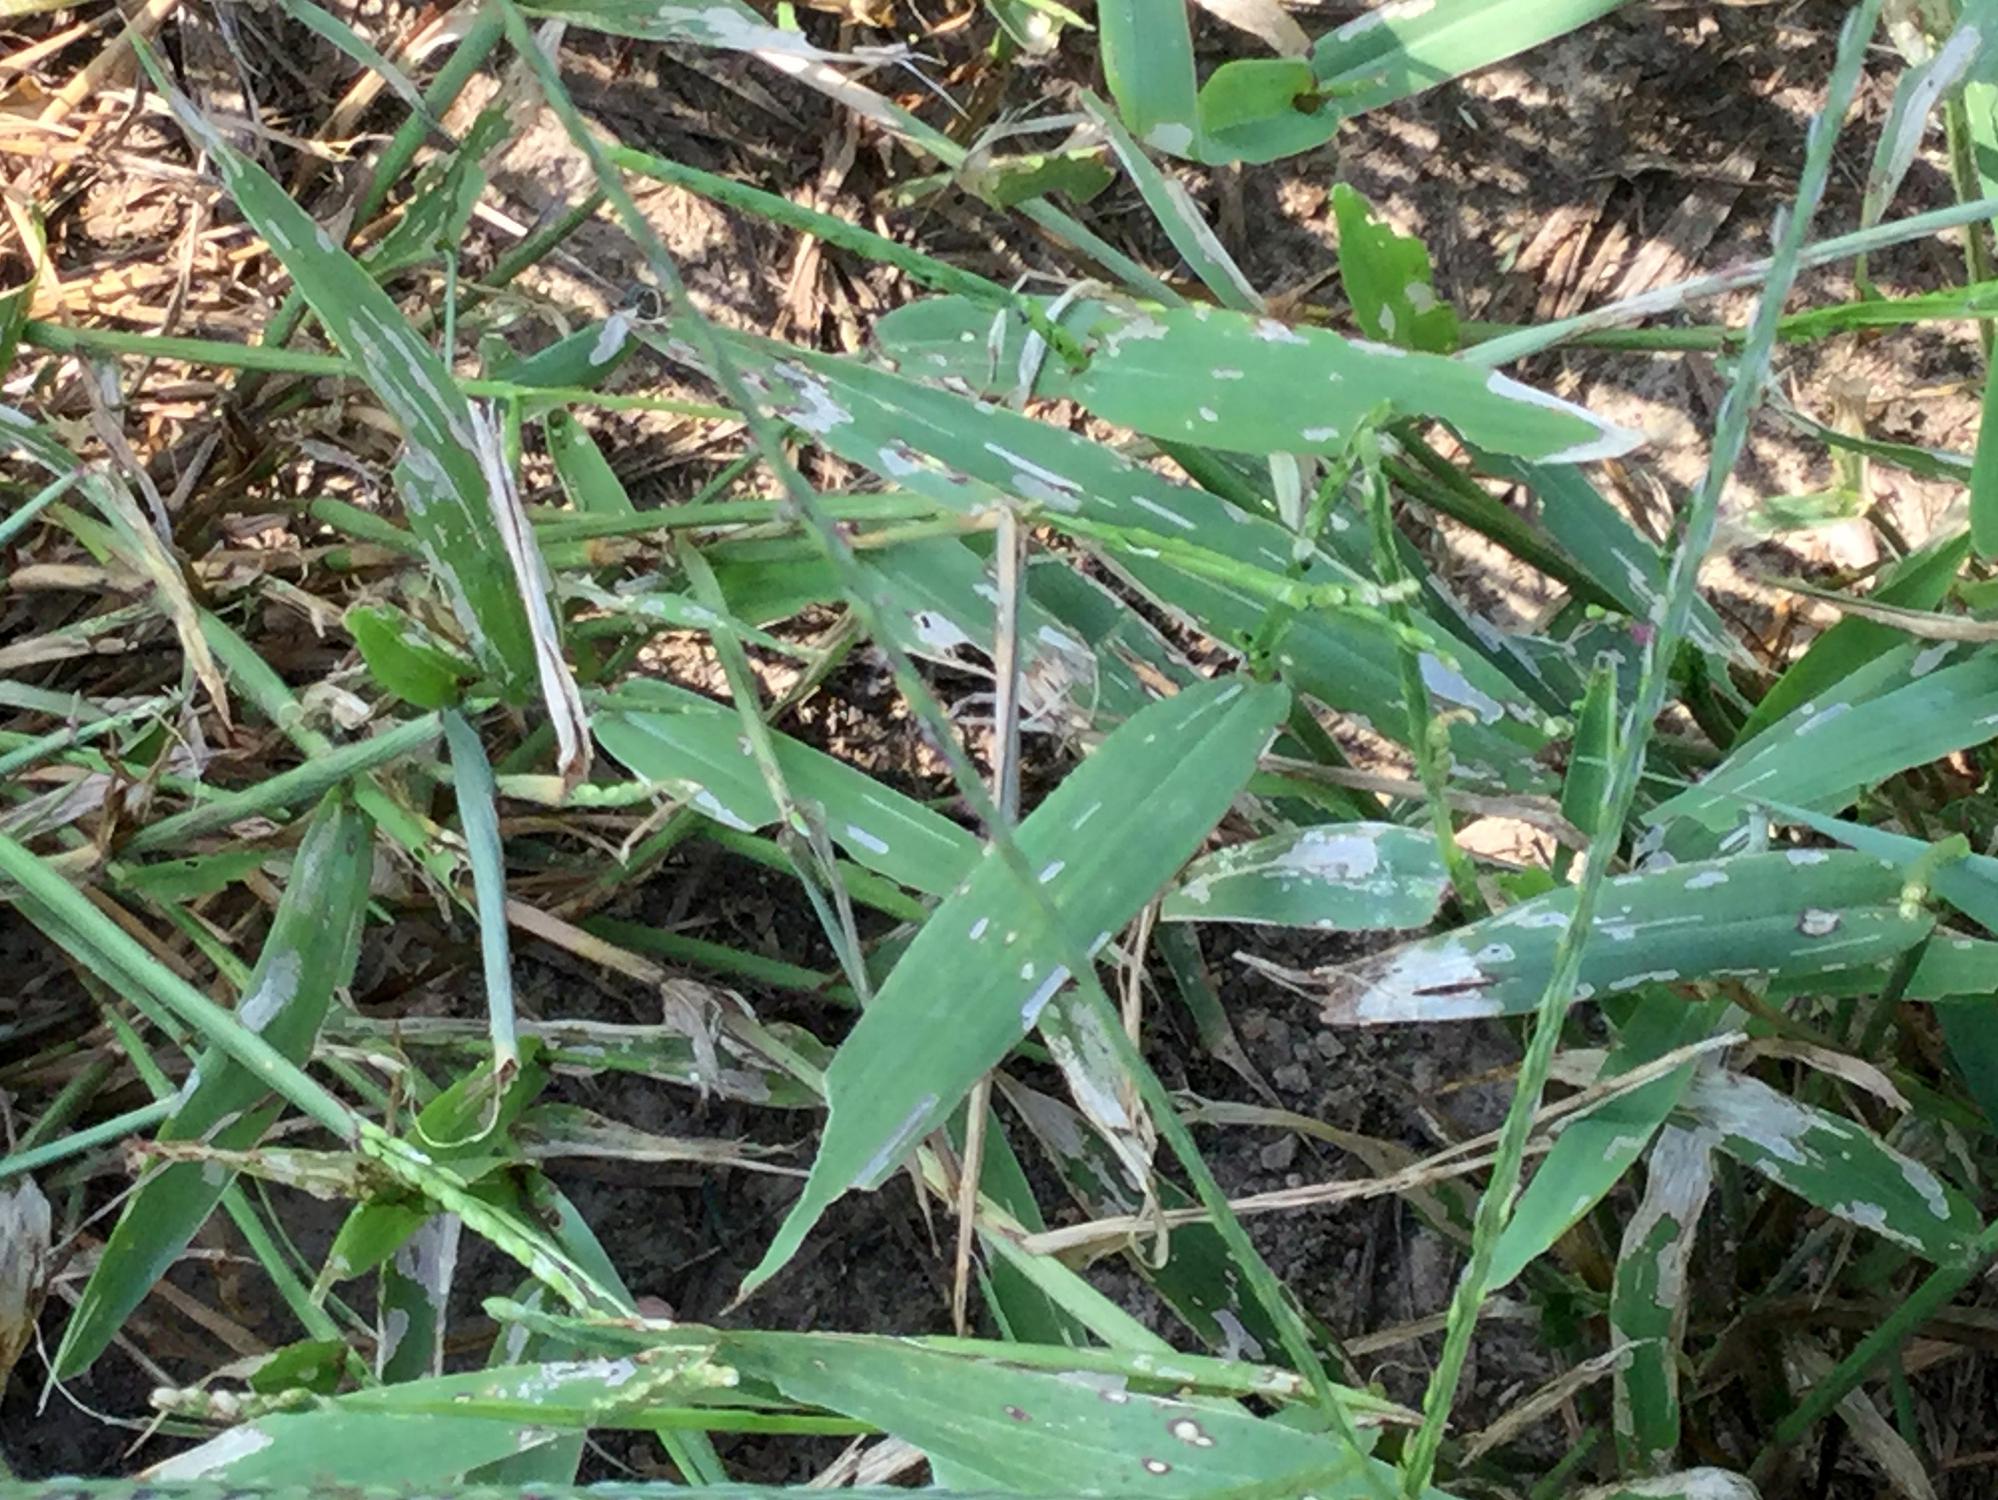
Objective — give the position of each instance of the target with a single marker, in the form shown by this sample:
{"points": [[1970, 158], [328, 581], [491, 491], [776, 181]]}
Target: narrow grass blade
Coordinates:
{"points": [[728, 25], [1193, 1272], [442, 482], [311, 950], [1178, 215], [1649, 1304], [1592, 1153], [466, 1127], [478, 816], [332, 29], [1919, 581], [1396, 50], [1102, 843], [586, 475]]}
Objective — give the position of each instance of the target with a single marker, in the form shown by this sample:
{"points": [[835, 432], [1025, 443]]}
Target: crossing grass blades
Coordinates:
{"points": [[1743, 1186]]}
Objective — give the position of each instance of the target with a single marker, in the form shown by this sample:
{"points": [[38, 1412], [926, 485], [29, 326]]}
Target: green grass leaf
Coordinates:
{"points": [[310, 952], [692, 748], [1592, 1152], [967, 457], [1833, 1164], [1388, 280], [1148, 64], [1901, 710], [441, 480], [404, 659], [1258, 109], [1404, 47], [1919, 581], [1247, 384], [1102, 843], [988, 1427], [1786, 913], [1648, 1300], [1338, 877]]}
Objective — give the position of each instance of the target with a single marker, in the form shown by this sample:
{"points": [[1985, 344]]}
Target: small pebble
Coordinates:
{"points": [[1279, 1153]]}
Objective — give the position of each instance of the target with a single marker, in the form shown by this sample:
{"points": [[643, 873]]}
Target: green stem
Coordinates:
{"points": [[103, 1133], [1425, 733], [59, 338], [1495, 1204]]}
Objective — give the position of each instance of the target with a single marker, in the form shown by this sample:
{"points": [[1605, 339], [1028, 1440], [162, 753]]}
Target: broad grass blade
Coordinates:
{"points": [[415, 1296], [1102, 844], [1338, 877], [1148, 64], [1617, 557], [313, 943], [1648, 1302], [427, 1431], [1833, 1164], [967, 457], [1794, 912], [1249, 384], [692, 748], [1387, 279], [1070, 1433], [1899, 711]]}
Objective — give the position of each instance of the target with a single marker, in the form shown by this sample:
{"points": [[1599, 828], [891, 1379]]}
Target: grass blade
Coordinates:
{"points": [[313, 943], [1102, 844], [444, 486], [1794, 912], [1342, 877], [1648, 1303]]}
